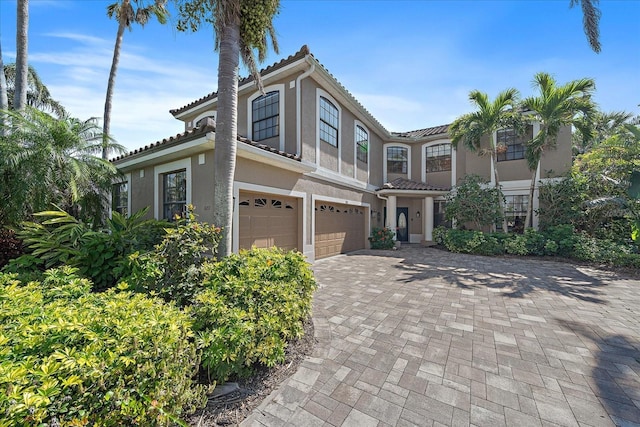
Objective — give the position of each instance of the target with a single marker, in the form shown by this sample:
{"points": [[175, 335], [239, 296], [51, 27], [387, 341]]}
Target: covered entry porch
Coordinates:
{"points": [[412, 209]]}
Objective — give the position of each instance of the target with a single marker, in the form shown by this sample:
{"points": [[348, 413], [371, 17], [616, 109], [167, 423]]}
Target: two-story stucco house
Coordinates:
{"points": [[315, 170]]}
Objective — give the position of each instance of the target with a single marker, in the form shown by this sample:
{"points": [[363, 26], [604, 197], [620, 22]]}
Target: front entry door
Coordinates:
{"points": [[402, 222]]}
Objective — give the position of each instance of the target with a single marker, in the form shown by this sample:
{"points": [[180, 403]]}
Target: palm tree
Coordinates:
{"points": [[44, 160], [592, 131], [590, 19], [490, 116], [4, 99], [241, 26], [38, 95], [555, 107], [22, 40], [126, 16]]}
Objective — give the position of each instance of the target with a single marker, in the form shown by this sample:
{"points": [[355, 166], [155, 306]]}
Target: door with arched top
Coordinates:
{"points": [[402, 222]]}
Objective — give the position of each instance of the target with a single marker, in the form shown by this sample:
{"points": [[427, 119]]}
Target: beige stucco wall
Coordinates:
{"points": [[557, 162], [439, 179], [375, 159], [142, 191]]}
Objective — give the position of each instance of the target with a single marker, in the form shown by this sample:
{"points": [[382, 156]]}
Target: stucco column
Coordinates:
{"points": [[428, 219], [391, 215]]}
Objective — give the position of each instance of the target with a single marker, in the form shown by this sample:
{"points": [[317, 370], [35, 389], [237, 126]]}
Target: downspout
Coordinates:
{"points": [[299, 107]]}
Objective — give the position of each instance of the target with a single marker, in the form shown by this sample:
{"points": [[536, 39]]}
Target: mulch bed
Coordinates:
{"points": [[231, 409]]}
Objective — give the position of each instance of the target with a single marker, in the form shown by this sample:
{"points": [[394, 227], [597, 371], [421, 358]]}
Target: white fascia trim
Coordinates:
{"points": [[325, 94], [281, 111], [169, 167], [246, 186], [316, 198], [241, 88], [414, 193], [334, 178], [384, 158], [207, 139], [423, 158], [357, 123]]}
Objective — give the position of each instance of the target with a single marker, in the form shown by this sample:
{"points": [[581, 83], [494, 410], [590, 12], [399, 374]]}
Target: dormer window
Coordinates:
{"points": [[266, 116]]}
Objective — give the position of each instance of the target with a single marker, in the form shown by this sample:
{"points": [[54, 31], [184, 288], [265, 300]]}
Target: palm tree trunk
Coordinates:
{"points": [[494, 160], [532, 190], [224, 157], [4, 100], [106, 120], [22, 70]]}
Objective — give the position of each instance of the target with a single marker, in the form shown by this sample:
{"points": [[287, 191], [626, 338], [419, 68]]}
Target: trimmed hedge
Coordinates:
{"points": [[72, 357]]}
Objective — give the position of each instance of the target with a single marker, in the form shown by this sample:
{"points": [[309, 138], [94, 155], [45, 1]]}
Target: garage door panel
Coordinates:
{"points": [[339, 229], [268, 220]]}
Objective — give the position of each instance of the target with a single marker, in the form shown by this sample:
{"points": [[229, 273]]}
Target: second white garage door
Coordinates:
{"points": [[339, 229], [268, 220]]}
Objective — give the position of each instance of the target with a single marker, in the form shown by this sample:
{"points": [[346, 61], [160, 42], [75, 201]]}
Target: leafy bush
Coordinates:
{"points": [[99, 255], [173, 269], [516, 245], [440, 234], [252, 303], [381, 238], [565, 238], [472, 242], [71, 357], [535, 242], [10, 246], [474, 202]]}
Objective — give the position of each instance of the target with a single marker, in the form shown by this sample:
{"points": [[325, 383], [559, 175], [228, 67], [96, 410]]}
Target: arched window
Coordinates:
{"points": [[438, 158]]}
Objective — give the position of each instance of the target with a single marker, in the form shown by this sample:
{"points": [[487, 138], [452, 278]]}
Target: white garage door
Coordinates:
{"points": [[268, 220], [339, 229]]}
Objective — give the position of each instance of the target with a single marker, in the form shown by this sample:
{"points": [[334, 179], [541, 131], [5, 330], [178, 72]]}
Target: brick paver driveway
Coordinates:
{"points": [[422, 337]]}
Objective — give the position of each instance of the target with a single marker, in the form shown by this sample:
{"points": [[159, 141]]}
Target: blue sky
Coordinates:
{"points": [[410, 63]]}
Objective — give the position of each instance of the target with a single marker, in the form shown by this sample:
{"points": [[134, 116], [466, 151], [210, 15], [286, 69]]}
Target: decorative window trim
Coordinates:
{"points": [[356, 124], [210, 113], [158, 172], [384, 160], [321, 93], [423, 160], [281, 111]]}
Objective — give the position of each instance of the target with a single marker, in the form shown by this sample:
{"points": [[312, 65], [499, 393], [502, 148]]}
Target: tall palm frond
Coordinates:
{"points": [[591, 21], [38, 95]]}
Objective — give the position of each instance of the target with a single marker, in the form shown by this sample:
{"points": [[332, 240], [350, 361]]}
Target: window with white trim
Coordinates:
{"points": [[329, 121], [510, 145], [174, 194], [266, 116], [438, 158], [397, 160], [120, 198], [516, 211], [362, 144]]}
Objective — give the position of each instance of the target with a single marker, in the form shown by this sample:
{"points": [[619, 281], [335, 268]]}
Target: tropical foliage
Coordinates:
{"points": [[473, 201], [38, 95], [472, 129], [45, 161]]}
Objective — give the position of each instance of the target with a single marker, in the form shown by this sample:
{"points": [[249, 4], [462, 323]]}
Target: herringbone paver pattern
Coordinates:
{"points": [[421, 337]]}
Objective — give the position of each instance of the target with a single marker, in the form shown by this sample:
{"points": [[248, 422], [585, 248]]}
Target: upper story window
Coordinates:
{"points": [[397, 160], [120, 195], [266, 116], [362, 144], [174, 190], [329, 120], [438, 158], [511, 146]]}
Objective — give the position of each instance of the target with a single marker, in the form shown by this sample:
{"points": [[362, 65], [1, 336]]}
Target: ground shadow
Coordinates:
{"points": [[516, 277], [615, 378]]}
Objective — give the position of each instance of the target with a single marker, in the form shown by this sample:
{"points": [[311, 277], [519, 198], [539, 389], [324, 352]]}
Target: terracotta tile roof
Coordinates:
{"points": [[421, 133], [304, 51], [194, 133], [407, 184]]}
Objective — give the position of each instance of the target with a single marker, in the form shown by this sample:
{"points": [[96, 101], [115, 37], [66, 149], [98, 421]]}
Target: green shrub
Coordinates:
{"points": [[565, 238], [381, 238], [10, 246], [173, 269], [252, 304], [99, 255], [472, 242], [550, 247], [516, 245], [535, 242], [72, 357]]}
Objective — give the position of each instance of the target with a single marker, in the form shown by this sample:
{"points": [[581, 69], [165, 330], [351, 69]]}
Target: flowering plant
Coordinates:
{"points": [[381, 238]]}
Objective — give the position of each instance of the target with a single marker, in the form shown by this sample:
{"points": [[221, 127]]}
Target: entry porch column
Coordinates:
{"points": [[428, 220], [391, 215]]}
